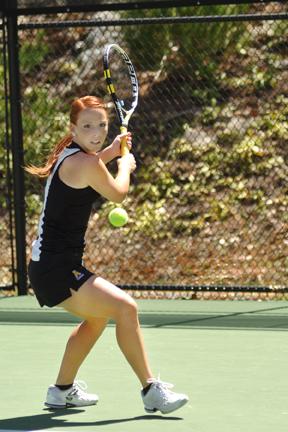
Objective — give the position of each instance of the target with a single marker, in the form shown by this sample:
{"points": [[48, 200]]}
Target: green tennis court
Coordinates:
{"points": [[229, 357]]}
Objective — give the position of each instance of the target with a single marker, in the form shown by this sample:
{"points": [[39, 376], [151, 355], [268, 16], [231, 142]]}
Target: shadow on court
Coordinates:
{"points": [[216, 315], [272, 318], [52, 419]]}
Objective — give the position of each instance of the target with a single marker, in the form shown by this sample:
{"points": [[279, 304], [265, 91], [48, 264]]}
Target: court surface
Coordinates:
{"points": [[229, 357]]}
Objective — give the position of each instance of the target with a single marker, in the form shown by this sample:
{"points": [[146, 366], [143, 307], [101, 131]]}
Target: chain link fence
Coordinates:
{"points": [[208, 202]]}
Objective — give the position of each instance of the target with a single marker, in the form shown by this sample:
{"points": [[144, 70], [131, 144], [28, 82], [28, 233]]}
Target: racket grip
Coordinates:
{"points": [[123, 143]]}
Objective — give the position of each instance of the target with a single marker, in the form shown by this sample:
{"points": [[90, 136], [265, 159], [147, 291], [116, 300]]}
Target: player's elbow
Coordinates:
{"points": [[120, 192], [116, 195], [119, 197]]}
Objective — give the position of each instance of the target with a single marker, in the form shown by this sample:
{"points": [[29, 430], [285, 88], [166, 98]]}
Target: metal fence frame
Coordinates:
{"points": [[8, 156], [14, 133]]}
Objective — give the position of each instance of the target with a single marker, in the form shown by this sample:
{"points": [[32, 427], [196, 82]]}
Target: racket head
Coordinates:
{"points": [[121, 80]]}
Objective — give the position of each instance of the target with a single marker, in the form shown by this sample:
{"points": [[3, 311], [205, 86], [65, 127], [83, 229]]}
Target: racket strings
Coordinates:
{"points": [[122, 79]]}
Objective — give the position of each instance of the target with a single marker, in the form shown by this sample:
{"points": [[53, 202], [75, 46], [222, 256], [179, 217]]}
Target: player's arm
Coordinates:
{"points": [[99, 178], [107, 154], [114, 150]]}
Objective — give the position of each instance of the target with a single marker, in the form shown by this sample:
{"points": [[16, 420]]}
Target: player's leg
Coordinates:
{"points": [[99, 298], [79, 344], [68, 392]]}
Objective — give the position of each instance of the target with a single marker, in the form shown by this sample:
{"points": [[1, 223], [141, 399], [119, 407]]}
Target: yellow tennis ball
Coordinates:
{"points": [[118, 217]]}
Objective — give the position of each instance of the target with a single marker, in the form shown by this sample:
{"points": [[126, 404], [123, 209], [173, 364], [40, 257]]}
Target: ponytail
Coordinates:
{"points": [[45, 170]]}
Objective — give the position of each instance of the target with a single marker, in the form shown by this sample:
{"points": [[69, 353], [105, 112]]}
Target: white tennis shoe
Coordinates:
{"points": [[160, 398], [73, 397]]}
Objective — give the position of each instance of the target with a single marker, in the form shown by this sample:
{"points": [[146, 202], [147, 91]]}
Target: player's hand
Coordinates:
{"points": [[116, 144], [127, 162]]}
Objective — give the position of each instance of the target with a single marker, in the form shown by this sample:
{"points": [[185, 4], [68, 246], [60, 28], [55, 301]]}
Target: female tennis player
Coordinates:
{"points": [[76, 174]]}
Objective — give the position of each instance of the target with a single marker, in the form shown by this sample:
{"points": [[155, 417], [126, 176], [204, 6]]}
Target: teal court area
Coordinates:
{"points": [[229, 357]]}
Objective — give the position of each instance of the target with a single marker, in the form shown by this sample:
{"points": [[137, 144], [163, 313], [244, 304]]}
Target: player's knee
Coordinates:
{"points": [[129, 308], [95, 324]]}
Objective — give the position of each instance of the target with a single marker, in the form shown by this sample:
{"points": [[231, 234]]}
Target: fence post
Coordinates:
{"points": [[17, 146]]}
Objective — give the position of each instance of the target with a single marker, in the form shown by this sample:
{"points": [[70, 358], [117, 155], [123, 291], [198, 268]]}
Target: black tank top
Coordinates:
{"points": [[65, 213]]}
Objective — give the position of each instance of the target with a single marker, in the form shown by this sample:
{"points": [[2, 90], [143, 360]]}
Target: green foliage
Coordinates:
{"points": [[33, 204], [168, 46], [209, 180], [211, 169], [44, 125], [33, 51], [210, 113]]}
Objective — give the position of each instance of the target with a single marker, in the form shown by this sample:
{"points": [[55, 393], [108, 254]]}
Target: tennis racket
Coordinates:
{"points": [[122, 85]]}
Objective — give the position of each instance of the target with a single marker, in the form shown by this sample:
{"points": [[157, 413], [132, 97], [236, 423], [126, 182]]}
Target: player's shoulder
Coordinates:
{"points": [[77, 169], [86, 164], [82, 160]]}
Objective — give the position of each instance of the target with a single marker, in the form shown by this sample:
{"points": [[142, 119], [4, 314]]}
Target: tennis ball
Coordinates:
{"points": [[118, 217]]}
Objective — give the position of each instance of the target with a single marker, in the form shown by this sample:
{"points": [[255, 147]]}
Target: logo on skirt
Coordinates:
{"points": [[77, 275]]}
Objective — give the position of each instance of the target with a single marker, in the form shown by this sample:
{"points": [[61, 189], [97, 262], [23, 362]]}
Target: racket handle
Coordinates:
{"points": [[123, 144]]}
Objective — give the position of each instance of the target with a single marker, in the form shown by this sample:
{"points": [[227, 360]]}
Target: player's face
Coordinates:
{"points": [[91, 129]]}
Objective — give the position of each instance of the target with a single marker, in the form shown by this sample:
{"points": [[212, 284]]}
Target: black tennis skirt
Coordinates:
{"points": [[55, 274]]}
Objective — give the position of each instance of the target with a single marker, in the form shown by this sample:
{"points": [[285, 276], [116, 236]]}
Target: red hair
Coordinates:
{"points": [[77, 106]]}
